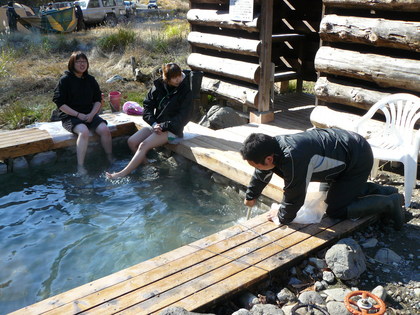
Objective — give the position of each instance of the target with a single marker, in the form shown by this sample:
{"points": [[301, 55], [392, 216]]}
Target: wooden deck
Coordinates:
{"points": [[209, 270]]}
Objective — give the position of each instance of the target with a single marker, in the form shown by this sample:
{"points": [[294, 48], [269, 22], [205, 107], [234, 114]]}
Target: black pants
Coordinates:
{"points": [[351, 184]]}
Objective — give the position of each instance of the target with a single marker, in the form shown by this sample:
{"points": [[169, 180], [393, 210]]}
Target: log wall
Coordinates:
{"points": [[237, 57], [370, 49]]}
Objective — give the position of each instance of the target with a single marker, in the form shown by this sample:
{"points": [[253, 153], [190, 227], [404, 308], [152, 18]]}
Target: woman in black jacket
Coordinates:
{"points": [[78, 99], [167, 109]]}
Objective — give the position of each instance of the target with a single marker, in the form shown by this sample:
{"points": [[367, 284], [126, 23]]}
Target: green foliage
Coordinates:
{"points": [[117, 41], [5, 59], [135, 97], [22, 112]]}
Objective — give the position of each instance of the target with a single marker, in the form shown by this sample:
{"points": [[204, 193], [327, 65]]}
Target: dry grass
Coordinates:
{"points": [[170, 4], [30, 68]]}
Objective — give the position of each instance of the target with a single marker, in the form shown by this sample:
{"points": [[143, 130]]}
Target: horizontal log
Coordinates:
{"points": [[378, 32], [400, 5], [240, 70], [231, 44], [221, 19], [238, 93], [383, 70], [347, 94]]}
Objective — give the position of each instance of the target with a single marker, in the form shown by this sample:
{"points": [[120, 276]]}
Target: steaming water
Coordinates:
{"points": [[59, 231]]}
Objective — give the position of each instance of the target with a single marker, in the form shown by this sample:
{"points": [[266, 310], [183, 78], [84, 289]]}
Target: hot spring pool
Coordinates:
{"points": [[59, 231]]}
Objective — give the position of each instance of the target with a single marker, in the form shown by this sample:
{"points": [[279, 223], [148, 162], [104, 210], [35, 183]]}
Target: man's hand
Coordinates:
{"points": [[249, 203]]}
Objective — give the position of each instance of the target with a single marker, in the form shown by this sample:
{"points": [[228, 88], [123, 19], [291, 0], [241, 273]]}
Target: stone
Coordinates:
{"points": [[43, 158], [219, 117], [387, 256], [3, 168], [346, 259], [20, 164], [370, 243], [417, 292], [309, 270], [286, 296], [337, 294], [318, 263], [242, 311], [294, 280], [337, 308], [328, 276], [311, 297], [319, 286], [266, 309], [176, 310], [380, 292]]}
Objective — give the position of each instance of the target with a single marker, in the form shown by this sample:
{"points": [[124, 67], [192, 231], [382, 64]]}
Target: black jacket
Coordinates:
{"points": [[318, 155], [170, 107], [78, 93]]}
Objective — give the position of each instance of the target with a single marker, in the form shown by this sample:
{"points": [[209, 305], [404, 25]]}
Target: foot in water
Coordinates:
{"points": [[81, 170], [113, 175]]}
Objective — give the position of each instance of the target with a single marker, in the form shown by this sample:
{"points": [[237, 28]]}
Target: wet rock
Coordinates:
{"points": [[336, 294], [387, 256], [380, 292], [246, 300], [266, 309], [346, 259], [220, 179], [20, 164], [43, 158], [286, 296], [370, 243], [311, 297], [175, 310], [219, 117], [337, 308], [328, 276], [318, 263]]}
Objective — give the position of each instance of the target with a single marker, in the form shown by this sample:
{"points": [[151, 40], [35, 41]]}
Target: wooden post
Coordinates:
{"points": [[266, 32]]}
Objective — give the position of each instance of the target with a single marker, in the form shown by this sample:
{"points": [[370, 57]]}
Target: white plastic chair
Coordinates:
{"points": [[399, 139]]}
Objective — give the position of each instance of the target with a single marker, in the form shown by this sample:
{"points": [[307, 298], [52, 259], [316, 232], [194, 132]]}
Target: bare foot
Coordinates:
{"points": [[81, 170], [113, 175]]}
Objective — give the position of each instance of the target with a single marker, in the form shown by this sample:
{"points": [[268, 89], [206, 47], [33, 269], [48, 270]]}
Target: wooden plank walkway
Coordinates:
{"points": [[209, 270]]}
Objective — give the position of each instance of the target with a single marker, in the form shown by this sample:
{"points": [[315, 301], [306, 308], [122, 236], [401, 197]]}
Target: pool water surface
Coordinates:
{"points": [[59, 231]]}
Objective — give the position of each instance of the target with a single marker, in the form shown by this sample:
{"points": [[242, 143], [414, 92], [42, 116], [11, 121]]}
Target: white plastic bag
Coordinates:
{"points": [[312, 210]]}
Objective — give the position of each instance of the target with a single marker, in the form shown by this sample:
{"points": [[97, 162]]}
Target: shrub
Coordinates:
{"points": [[117, 41]]}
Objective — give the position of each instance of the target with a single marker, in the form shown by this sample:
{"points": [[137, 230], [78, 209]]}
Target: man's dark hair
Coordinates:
{"points": [[257, 147], [171, 70]]}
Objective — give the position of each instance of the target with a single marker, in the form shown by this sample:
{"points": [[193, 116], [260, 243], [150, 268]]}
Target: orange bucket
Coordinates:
{"points": [[115, 101]]}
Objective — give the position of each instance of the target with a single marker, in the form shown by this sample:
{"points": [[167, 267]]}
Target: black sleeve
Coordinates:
{"points": [[176, 123], [97, 94], [259, 180], [61, 93], [149, 105]]}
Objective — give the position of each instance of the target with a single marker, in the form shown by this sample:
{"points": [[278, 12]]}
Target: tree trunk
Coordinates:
{"points": [[378, 32], [400, 5], [240, 70], [225, 43], [220, 19], [352, 95], [240, 94], [383, 70]]}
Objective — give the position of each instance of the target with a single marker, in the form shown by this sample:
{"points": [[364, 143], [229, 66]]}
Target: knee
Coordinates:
{"points": [[84, 134], [132, 144]]}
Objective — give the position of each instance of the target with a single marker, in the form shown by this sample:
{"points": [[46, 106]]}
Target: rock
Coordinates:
{"points": [[328, 276], [380, 292], [176, 310], [309, 270], [242, 311], [270, 297], [319, 286], [219, 117], [220, 179], [294, 280], [286, 296], [337, 308], [337, 294], [3, 168], [311, 297], [346, 259], [20, 164], [387, 256], [287, 309], [43, 158], [246, 300], [417, 292], [266, 309], [372, 242], [318, 263]]}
